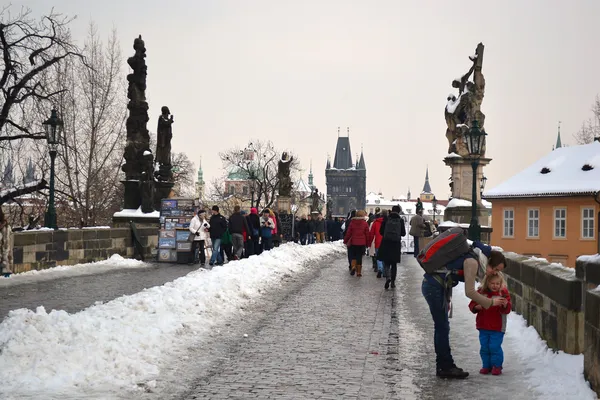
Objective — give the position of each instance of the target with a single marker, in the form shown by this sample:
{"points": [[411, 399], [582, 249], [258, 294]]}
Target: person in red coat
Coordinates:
{"points": [[491, 323], [375, 235], [356, 238]]}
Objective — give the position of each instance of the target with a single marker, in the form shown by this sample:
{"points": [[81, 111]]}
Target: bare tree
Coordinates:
{"points": [[92, 99], [29, 48], [256, 164], [590, 128], [183, 175]]}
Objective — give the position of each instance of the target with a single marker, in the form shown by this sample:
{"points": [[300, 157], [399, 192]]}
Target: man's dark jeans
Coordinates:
{"points": [[416, 245], [438, 306]]}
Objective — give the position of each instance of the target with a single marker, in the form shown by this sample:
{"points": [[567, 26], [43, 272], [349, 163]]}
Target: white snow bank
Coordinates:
{"points": [[120, 344], [591, 259], [114, 262], [137, 213], [456, 202]]}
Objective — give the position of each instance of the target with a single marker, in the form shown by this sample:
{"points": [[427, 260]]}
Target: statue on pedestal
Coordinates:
{"points": [[164, 134], [316, 198], [283, 174], [461, 111]]}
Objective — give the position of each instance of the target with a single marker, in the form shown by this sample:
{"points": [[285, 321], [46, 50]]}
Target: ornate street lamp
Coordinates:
{"points": [[54, 130], [475, 139], [434, 203], [482, 184]]}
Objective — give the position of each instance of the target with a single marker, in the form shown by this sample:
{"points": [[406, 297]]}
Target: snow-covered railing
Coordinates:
{"points": [[562, 304]]}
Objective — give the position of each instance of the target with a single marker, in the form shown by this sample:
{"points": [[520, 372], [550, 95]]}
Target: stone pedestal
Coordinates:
{"points": [[284, 204], [133, 194], [462, 176], [461, 187], [162, 190]]}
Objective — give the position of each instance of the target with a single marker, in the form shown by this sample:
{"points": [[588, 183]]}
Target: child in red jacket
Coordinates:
{"points": [[491, 323]]}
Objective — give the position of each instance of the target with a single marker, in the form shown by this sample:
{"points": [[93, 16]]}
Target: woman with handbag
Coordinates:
{"points": [[199, 227], [6, 246]]}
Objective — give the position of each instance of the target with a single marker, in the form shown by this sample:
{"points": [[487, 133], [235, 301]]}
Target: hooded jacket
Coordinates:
{"points": [[374, 233], [357, 233], [493, 318]]}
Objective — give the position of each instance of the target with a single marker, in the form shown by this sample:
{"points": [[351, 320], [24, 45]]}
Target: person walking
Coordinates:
{"points": [[237, 227], [254, 226], [356, 239], [267, 226], [218, 226], [320, 228], [417, 226], [199, 226], [390, 252]]}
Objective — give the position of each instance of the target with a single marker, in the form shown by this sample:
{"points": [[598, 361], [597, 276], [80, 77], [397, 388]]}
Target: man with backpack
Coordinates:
{"points": [[447, 260], [390, 251]]}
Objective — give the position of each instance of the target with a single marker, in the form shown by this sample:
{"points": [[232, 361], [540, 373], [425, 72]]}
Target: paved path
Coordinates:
{"points": [[75, 293], [340, 337]]}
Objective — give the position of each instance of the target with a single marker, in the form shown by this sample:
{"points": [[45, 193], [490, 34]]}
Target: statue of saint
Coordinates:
{"points": [[315, 200], [461, 111], [164, 134], [283, 174]]}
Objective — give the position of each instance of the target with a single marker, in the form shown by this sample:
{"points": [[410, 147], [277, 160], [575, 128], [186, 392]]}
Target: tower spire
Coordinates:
{"points": [[558, 141], [311, 177], [426, 186]]}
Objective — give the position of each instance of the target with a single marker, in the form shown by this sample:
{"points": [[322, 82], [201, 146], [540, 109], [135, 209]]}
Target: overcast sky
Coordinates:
{"points": [[293, 71]]}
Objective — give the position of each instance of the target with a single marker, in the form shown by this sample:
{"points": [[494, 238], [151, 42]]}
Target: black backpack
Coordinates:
{"points": [[394, 229]]}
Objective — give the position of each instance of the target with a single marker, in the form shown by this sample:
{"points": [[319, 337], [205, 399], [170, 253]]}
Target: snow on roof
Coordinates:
{"points": [[302, 187], [453, 155], [564, 171], [456, 202]]}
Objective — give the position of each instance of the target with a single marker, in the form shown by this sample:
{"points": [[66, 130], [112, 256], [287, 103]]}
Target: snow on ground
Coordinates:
{"points": [[549, 374], [119, 345], [114, 262]]}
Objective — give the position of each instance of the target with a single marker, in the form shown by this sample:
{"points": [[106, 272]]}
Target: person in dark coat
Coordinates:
{"points": [[346, 225], [254, 226], [303, 230], [390, 251]]}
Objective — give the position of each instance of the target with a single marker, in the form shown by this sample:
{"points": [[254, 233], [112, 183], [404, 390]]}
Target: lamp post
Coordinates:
{"points": [[294, 208], [434, 203], [475, 139], [53, 127]]}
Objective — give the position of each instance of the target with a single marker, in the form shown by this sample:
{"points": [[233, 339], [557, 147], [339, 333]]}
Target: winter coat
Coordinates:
{"points": [[374, 233], [493, 318], [319, 225], [417, 225], [390, 252], [303, 227], [218, 226], [254, 223], [357, 233], [267, 227], [6, 249], [237, 223], [200, 226]]}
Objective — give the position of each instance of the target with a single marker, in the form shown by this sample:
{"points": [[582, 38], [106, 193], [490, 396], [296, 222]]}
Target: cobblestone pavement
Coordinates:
{"points": [[75, 293], [341, 337]]}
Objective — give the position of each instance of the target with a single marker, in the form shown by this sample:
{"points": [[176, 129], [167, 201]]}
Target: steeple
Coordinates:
{"points": [[361, 161], [408, 195], [200, 173], [343, 153], [426, 186], [310, 177], [8, 177], [328, 166], [29, 173], [558, 141]]}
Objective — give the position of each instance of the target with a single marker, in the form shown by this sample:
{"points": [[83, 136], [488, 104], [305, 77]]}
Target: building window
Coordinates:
{"points": [[509, 223], [587, 223], [533, 223], [245, 190], [560, 222], [231, 189]]}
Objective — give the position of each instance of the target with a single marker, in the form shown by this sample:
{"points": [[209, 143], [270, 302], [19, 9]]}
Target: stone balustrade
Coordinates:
{"points": [[42, 249], [562, 304]]}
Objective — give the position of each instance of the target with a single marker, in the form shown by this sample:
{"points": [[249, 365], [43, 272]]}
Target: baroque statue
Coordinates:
{"points": [[164, 134], [315, 200], [283, 174], [461, 111]]}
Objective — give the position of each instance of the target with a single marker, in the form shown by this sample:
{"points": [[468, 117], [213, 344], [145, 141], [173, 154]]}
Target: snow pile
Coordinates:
{"points": [[114, 262], [456, 202], [551, 370], [120, 344], [590, 259], [137, 213]]}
